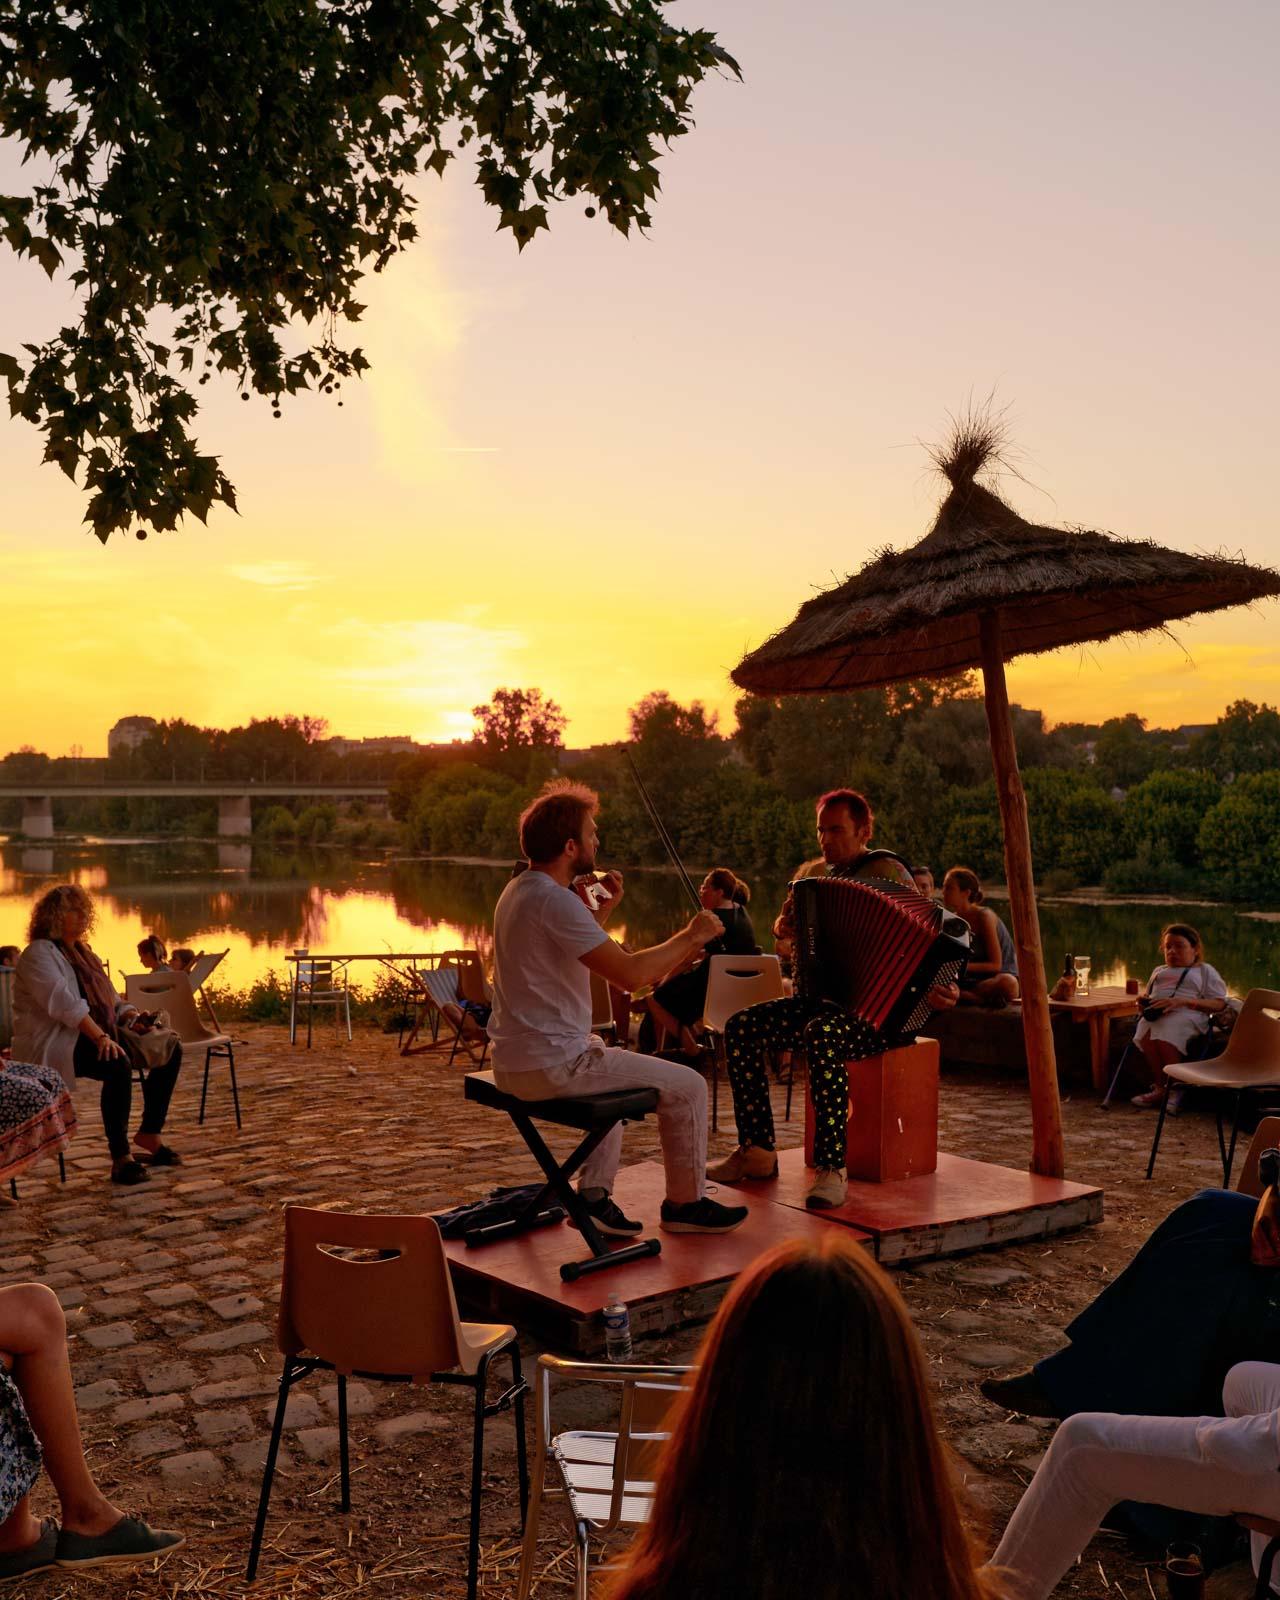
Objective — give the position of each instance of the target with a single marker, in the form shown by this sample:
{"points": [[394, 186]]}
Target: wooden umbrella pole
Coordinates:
{"points": [[1042, 1067]]}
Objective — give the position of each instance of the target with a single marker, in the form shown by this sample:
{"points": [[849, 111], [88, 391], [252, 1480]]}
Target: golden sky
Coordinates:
{"points": [[609, 466]]}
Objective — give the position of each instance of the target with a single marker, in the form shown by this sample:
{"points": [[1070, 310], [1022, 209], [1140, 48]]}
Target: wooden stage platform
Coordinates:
{"points": [[965, 1205]]}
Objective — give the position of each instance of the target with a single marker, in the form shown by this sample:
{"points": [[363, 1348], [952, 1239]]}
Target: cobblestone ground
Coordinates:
{"points": [[170, 1293]]}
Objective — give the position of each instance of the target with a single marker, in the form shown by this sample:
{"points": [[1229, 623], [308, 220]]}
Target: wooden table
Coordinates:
{"points": [[1097, 1008]]}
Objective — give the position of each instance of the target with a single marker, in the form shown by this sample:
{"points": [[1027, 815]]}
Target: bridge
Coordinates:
{"points": [[235, 800]]}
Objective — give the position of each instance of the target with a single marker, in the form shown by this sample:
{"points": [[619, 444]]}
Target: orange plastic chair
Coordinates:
{"points": [[371, 1297]]}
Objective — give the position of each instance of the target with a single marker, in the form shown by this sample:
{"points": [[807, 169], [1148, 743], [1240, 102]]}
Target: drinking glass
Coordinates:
{"points": [[1184, 1572], [1082, 965]]}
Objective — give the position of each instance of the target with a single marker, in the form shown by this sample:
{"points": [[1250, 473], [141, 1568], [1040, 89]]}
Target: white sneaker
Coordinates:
{"points": [[829, 1189]]}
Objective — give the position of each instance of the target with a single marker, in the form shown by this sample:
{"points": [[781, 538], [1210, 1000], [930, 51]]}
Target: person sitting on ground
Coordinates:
{"points": [[678, 1004], [829, 1038], [182, 959], [9, 954], [1180, 998], [1215, 1466], [66, 1015], [38, 1423], [804, 1458], [546, 946], [922, 877], [152, 954], [991, 976]]}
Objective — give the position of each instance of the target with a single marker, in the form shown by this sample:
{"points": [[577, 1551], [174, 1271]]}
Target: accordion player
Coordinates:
{"points": [[868, 954]]}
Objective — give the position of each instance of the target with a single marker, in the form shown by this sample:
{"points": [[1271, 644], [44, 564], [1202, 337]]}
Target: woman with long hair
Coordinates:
{"points": [[676, 1005], [991, 977], [1181, 995], [67, 1015], [804, 1459]]}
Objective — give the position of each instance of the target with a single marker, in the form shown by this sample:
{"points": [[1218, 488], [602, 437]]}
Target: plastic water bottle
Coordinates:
{"points": [[617, 1330]]}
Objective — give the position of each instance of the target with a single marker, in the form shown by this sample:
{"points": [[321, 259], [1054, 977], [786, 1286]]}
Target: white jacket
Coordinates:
{"points": [[48, 1009]]}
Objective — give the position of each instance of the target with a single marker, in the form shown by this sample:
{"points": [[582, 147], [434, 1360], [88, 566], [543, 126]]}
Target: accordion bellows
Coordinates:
{"points": [[874, 948]]}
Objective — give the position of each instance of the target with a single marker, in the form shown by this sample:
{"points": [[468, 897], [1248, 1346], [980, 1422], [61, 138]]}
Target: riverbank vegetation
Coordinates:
{"points": [[1191, 811]]}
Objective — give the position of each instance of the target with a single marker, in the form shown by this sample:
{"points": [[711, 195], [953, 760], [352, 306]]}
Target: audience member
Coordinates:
{"points": [[677, 1004], [1180, 998], [68, 1016], [804, 1458], [923, 879], [9, 954], [991, 977], [182, 959], [1215, 1466], [152, 954], [38, 1422]]}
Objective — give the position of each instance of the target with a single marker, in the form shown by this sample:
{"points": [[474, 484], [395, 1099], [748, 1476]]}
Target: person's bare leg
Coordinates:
{"points": [[19, 1530], [1158, 1054], [34, 1331]]}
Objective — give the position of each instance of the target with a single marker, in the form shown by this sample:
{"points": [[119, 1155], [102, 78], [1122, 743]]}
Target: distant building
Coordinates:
{"points": [[1183, 735], [386, 745], [129, 733]]}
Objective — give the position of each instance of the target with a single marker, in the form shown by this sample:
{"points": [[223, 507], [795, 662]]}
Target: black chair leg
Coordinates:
{"points": [[1235, 1131], [235, 1092], [13, 1187], [344, 1454], [522, 1454], [62, 1168], [1155, 1143], [269, 1467], [204, 1087], [477, 1469], [1263, 1591]]}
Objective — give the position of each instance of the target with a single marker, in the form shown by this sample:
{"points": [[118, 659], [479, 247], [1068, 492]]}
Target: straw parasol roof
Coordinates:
{"points": [[985, 585], [915, 613]]}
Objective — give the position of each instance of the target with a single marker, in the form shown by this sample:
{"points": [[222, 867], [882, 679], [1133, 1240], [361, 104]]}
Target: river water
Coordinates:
{"points": [[260, 903]]}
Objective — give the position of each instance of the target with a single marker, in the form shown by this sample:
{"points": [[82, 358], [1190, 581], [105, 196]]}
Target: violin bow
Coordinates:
{"points": [[662, 833]]}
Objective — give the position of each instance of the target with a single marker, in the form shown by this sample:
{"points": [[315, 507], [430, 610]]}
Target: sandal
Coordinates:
{"points": [[161, 1156], [130, 1172]]}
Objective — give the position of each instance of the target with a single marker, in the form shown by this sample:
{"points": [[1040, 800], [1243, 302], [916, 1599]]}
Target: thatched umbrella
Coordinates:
{"points": [[982, 586]]}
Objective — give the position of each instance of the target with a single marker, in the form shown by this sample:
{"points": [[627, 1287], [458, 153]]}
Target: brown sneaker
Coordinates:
{"points": [[747, 1161], [829, 1189]]}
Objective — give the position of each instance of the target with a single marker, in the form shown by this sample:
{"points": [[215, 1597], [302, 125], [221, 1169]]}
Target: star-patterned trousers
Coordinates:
{"points": [[828, 1038]]}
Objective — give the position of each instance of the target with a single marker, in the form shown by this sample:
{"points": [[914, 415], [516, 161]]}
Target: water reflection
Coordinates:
{"points": [[261, 903]]}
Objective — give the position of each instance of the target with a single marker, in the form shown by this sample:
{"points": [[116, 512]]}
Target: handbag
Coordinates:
{"points": [[155, 1047]]}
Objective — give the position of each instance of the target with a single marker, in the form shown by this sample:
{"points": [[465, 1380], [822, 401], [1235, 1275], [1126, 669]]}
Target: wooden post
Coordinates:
{"points": [[1042, 1067]]}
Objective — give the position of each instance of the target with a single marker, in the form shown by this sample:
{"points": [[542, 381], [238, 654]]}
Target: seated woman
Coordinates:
{"points": [[152, 954], [67, 1016], [991, 978], [38, 1423], [1180, 998], [805, 1459], [678, 1003], [1216, 1466]]}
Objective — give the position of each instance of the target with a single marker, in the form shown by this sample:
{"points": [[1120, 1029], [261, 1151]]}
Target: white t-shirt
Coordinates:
{"points": [[541, 990], [1179, 1027]]}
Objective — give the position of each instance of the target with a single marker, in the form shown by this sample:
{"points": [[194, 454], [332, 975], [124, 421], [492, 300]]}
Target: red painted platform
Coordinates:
{"points": [[518, 1280], [964, 1205]]}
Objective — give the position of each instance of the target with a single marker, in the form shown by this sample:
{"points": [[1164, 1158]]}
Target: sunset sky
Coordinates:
{"points": [[610, 466]]}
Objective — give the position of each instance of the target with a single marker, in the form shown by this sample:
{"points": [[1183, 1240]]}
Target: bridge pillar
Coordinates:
{"points": [[37, 816], [235, 816]]}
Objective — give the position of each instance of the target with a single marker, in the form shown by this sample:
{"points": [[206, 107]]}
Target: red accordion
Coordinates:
{"points": [[874, 948]]}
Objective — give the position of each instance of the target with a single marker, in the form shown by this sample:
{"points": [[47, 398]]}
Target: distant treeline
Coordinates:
{"points": [[1115, 803]]}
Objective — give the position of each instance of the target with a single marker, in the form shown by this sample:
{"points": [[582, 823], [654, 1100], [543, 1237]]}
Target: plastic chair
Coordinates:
{"points": [[320, 982], [1250, 1062], [371, 1297], [607, 1479], [733, 984], [171, 992]]}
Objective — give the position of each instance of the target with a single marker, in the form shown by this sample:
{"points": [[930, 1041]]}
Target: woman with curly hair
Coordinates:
{"points": [[805, 1459], [66, 1015]]}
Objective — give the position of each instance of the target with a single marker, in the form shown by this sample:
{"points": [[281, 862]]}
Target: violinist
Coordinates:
{"points": [[677, 1005]]}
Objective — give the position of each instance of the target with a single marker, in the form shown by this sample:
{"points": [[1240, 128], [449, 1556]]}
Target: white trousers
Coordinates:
{"points": [[1213, 1465], [682, 1111]]}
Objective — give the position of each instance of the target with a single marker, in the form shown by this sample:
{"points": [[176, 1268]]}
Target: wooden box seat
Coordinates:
{"points": [[593, 1115]]}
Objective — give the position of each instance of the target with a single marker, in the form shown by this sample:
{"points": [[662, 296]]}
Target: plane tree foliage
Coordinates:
{"points": [[216, 177]]}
